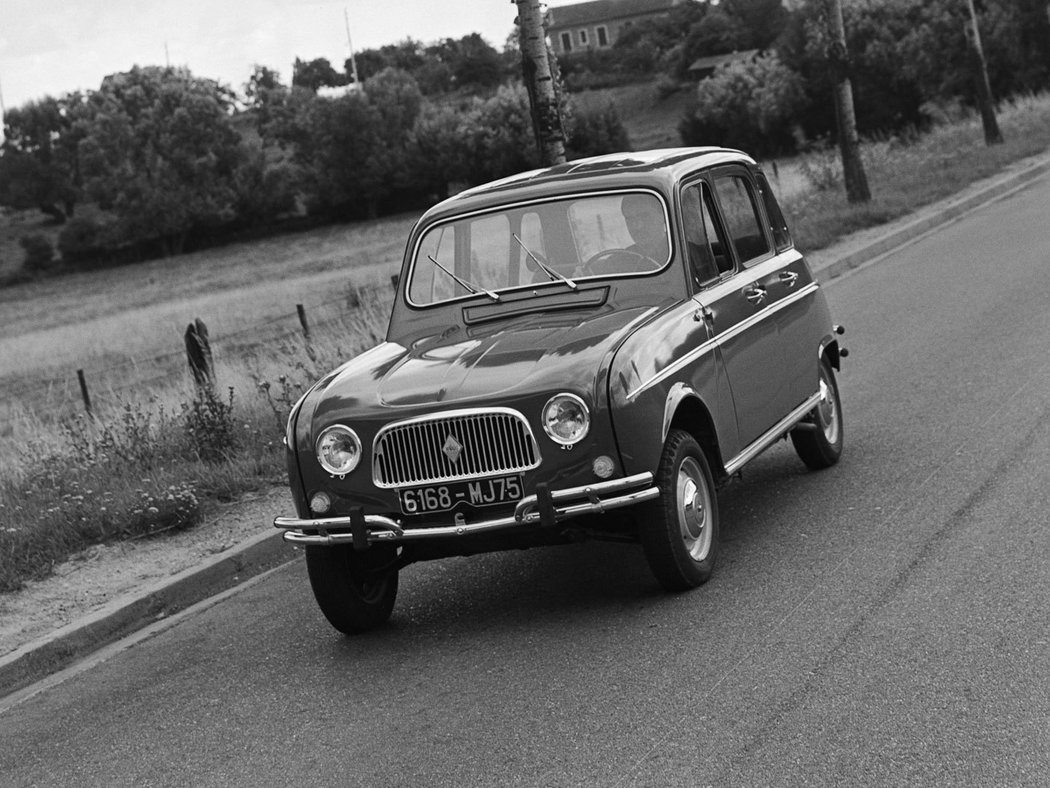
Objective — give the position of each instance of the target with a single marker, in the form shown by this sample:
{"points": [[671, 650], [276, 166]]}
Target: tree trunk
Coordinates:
{"points": [[849, 142], [992, 135], [539, 81]]}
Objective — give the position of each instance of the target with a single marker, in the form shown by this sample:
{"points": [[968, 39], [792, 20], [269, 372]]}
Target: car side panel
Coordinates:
{"points": [[674, 349]]}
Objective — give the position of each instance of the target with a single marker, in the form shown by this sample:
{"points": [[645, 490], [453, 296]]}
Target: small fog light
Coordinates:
{"points": [[603, 467], [320, 503]]}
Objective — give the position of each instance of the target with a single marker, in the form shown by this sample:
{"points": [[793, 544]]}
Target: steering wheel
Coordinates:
{"points": [[628, 261]]}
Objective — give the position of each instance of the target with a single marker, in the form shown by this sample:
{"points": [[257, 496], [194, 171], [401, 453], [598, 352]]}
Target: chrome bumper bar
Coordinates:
{"points": [[543, 508]]}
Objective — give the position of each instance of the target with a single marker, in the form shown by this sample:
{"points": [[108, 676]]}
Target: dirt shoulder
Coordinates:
{"points": [[103, 574]]}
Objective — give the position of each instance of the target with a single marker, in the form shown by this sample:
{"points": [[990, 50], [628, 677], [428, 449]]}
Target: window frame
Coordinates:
{"points": [[703, 180], [757, 206]]}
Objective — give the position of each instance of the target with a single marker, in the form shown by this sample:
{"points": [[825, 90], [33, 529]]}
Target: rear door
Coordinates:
{"points": [[729, 260]]}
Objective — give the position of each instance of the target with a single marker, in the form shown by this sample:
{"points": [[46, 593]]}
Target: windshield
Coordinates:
{"points": [[555, 243]]}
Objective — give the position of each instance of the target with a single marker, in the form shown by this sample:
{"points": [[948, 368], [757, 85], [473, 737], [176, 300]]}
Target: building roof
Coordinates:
{"points": [[604, 10], [714, 61]]}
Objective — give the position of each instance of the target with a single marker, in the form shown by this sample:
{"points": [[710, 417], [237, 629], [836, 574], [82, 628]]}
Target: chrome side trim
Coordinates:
{"points": [[721, 339], [566, 504], [773, 435]]}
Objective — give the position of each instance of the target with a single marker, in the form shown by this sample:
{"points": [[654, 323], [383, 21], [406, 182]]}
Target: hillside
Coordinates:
{"points": [[651, 121]]}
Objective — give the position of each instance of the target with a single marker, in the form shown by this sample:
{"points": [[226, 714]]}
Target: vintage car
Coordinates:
{"points": [[585, 351]]}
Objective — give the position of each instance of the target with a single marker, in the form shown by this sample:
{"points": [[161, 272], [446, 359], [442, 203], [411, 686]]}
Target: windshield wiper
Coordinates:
{"points": [[553, 275], [471, 288]]}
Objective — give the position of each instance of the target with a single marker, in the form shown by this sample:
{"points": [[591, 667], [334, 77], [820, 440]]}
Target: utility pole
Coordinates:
{"points": [[992, 135], [849, 142], [349, 43], [539, 81]]}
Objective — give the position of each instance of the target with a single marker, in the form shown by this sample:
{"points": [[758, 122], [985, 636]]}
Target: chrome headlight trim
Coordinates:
{"points": [[338, 449], [561, 410]]}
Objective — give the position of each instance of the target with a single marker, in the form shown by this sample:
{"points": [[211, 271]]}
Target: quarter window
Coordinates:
{"points": [[781, 234], [743, 222]]}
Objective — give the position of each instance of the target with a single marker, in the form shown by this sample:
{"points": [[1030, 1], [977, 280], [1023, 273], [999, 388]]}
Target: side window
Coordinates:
{"points": [[781, 235], [742, 218], [706, 253]]}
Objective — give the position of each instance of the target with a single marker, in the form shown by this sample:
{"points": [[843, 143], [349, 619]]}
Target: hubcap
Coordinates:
{"points": [[694, 504], [827, 411]]}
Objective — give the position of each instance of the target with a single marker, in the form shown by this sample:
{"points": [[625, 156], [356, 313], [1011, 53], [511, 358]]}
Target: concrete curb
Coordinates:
{"points": [[59, 649], [55, 651], [927, 219]]}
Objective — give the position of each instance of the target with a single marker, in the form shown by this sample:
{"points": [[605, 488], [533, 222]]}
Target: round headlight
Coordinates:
{"points": [[566, 419], [338, 450]]}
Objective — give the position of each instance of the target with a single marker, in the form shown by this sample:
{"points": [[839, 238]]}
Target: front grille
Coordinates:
{"points": [[453, 446]]}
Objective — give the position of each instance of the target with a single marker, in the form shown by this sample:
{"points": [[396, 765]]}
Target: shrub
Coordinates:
{"points": [[594, 132], [748, 105], [39, 253], [208, 422], [80, 239]]}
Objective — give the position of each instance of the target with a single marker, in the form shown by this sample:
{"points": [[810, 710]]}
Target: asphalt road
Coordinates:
{"points": [[885, 622]]}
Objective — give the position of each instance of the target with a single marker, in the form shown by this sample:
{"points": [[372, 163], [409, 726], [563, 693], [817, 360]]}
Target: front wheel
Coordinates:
{"points": [[679, 531], [355, 590], [818, 440]]}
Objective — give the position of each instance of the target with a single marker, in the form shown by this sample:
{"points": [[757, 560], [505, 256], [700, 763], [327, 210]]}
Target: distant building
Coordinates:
{"points": [[706, 66], [598, 24]]}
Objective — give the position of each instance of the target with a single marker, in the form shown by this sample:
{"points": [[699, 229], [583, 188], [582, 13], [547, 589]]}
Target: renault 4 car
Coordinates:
{"points": [[589, 350]]}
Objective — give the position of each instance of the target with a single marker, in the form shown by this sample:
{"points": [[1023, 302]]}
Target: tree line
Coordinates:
{"points": [[168, 161]]}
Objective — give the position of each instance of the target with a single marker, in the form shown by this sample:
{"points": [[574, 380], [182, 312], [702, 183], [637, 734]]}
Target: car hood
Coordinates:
{"points": [[462, 365]]}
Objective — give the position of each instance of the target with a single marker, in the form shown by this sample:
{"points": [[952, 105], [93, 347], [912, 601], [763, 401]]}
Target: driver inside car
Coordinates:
{"points": [[644, 219]]}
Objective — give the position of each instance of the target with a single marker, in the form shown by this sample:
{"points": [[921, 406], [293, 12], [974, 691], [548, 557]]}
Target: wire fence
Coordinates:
{"points": [[92, 387]]}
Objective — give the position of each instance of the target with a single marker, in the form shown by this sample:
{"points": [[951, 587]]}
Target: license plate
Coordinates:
{"points": [[445, 497]]}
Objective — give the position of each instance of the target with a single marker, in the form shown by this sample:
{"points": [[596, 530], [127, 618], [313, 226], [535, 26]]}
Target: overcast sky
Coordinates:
{"points": [[49, 47]]}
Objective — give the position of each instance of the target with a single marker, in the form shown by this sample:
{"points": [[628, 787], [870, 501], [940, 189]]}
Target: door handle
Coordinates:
{"points": [[755, 294], [788, 278], [704, 313]]}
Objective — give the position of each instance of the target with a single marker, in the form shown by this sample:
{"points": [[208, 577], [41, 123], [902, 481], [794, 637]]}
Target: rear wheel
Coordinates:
{"points": [[679, 531], [818, 440], [355, 590]]}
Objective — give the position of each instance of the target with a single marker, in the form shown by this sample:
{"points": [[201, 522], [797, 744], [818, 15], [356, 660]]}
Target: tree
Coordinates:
{"points": [[39, 163], [261, 84], [849, 143], [539, 79], [315, 74], [748, 104], [159, 152]]}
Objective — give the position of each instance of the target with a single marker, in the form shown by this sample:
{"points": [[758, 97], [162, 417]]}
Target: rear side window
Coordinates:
{"points": [[742, 218], [781, 235]]}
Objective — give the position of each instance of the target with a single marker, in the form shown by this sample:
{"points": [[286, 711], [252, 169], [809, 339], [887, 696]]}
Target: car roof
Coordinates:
{"points": [[652, 168]]}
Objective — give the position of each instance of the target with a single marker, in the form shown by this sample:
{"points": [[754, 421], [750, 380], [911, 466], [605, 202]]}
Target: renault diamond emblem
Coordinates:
{"points": [[452, 448]]}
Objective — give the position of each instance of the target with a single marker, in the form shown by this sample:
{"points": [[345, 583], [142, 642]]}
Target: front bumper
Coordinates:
{"points": [[544, 509]]}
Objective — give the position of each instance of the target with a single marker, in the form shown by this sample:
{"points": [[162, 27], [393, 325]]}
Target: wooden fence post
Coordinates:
{"points": [[198, 351], [84, 391], [394, 279], [302, 320]]}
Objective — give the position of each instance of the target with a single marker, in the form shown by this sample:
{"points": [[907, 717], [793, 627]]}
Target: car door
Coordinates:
{"points": [[737, 300], [794, 292]]}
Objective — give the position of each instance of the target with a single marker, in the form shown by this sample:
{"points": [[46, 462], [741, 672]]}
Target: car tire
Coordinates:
{"points": [[355, 590], [818, 441], [679, 531]]}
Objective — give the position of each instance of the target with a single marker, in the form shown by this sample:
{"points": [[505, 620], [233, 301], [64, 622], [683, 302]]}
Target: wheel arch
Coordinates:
{"points": [[685, 410], [829, 348]]}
